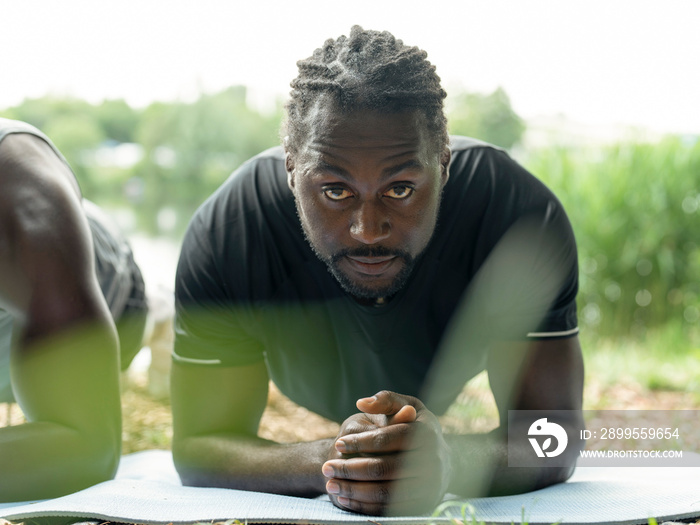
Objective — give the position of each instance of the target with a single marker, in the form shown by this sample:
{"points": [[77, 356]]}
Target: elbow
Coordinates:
{"points": [[189, 474], [97, 448], [527, 479], [101, 459], [201, 462], [95, 459], [107, 446], [100, 469], [553, 475], [547, 476], [187, 464], [191, 477], [108, 462]]}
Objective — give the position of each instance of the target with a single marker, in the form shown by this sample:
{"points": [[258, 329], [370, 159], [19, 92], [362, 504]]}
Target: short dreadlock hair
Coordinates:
{"points": [[367, 70]]}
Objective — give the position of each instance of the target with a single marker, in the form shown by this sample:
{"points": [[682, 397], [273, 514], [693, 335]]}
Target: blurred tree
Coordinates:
{"points": [[72, 125], [76, 135], [117, 119], [635, 209], [191, 148], [486, 117], [40, 111]]}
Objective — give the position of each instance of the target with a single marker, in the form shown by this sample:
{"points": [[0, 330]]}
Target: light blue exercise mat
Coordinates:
{"points": [[147, 490]]}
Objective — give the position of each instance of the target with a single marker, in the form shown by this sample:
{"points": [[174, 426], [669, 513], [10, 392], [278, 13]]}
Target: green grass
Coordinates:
{"points": [[467, 515], [635, 210], [667, 359]]}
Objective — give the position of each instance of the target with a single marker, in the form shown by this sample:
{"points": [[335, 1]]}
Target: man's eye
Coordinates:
{"points": [[400, 192], [337, 194]]}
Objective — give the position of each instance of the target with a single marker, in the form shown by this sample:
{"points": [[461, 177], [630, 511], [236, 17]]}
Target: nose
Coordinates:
{"points": [[370, 224]]}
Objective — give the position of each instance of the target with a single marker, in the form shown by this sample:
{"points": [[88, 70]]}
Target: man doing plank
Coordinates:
{"points": [[370, 267]]}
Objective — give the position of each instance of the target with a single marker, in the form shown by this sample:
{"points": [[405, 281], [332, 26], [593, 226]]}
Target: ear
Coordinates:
{"points": [[289, 166], [445, 158]]}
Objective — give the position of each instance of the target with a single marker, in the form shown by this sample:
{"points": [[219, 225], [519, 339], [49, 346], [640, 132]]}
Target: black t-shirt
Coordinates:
{"points": [[250, 288]]}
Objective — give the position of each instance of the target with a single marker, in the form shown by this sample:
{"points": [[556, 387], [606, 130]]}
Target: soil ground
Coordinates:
{"points": [[147, 422]]}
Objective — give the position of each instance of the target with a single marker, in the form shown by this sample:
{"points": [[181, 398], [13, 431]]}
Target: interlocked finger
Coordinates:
{"points": [[380, 468], [379, 441], [414, 495]]}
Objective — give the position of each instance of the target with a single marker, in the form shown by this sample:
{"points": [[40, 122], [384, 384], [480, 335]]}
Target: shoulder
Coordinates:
{"points": [[246, 236], [252, 195], [482, 162], [22, 146], [31, 168], [40, 214], [460, 143], [493, 177], [259, 180], [9, 127], [36, 185], [486, 194]]}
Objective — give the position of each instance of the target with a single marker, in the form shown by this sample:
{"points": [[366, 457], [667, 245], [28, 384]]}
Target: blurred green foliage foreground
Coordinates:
{"points": [[635, 206]]}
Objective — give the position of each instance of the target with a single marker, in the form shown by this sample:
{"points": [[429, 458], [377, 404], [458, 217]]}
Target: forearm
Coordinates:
{"points": [[68, 388], [480, 467], [45, 460], [252, 463]]}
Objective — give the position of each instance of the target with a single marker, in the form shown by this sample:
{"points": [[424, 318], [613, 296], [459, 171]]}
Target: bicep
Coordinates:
{"points": [[537, 375], [209, 400]]}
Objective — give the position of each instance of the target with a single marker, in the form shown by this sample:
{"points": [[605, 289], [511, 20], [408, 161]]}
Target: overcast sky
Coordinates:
{"points": [[598, 62]]}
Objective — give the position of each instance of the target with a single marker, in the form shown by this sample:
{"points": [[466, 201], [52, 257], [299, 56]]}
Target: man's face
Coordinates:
{"points": [[367, 187]]}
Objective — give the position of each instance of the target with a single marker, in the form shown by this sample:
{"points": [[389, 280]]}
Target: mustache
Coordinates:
{"points": [[371, 251]]}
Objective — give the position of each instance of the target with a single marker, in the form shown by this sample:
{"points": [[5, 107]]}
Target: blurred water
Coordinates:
{"points": [[157, 258]]}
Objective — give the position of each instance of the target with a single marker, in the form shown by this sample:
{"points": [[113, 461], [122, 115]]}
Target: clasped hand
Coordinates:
{"points": [[389, 459]]}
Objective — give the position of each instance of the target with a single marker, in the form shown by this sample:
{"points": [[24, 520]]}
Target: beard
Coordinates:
{"points": [[359, 290], [351, 286]]}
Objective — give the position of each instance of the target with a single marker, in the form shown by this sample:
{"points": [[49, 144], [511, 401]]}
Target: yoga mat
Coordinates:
{"points": [[147, 490]]}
